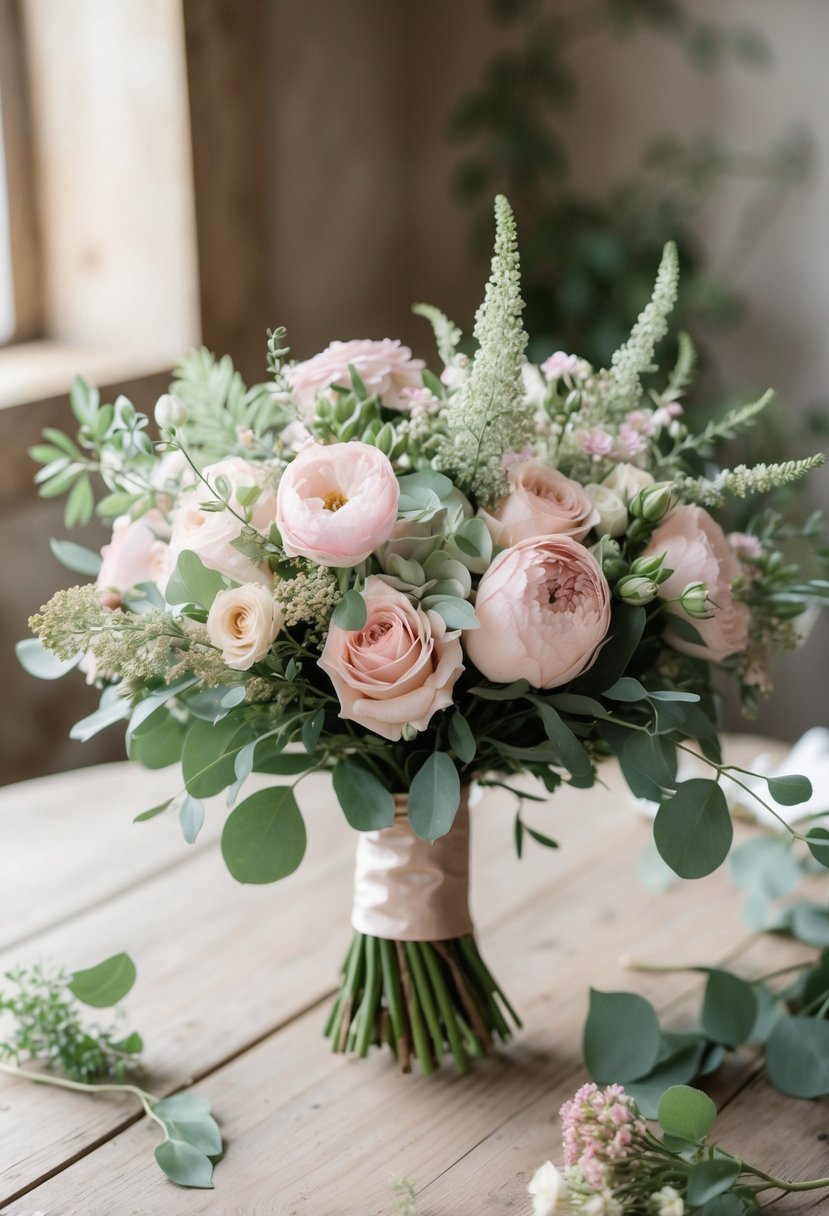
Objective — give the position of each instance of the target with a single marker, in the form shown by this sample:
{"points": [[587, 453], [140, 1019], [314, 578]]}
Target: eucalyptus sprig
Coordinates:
{"points": [[46, 1027]]}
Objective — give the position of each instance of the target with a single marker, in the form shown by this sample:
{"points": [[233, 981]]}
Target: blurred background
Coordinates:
{"points": [[183, 171]]}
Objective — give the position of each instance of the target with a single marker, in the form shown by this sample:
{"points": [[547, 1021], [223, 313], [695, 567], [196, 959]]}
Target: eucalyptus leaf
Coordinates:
{"points": [[626, 689], [648, 764], [112, 709], [312, 730], [208, 758], [105, 984], [789, 790], [191, 818], [366, 803], [461, 738], [818, 843], [76, 557], [456, 613], [686, 1113], [264, 837], [708, 1179], [729, 1008], [351, 612], [810, 924], [434, 797], [693, 829], [797, 1056], [573, 756], [621, 1037], [193, 583], [185, 1164], [33, 657]]}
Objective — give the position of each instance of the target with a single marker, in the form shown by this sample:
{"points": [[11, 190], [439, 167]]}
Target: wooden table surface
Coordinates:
{"points": [[233, 985]]}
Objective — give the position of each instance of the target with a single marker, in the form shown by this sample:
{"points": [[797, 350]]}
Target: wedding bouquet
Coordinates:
{"points": [[416, 582]]}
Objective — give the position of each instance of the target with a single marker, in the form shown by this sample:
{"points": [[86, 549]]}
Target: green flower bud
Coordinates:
{"points": [[344, 409], [384, 439], [648, 567], [652, 503], [324, 409], [694, 599], [409, 732], [636, 590]]}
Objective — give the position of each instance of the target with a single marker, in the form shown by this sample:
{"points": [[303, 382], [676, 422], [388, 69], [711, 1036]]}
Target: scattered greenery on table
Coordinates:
{"points": [[42, 1008]]}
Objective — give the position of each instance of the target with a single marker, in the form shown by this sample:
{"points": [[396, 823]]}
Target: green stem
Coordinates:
{"points": [[87, 1087], [371, 998], [421, 1043], [445, 1005], [394, 996], [416, 966]]}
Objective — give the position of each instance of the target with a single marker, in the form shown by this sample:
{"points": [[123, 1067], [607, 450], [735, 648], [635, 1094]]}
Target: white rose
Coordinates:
{"points": [[243, 623], [626, 480], [170, 412], [613, 515], [602, 1204], [548, 1189], [668, 1202]]}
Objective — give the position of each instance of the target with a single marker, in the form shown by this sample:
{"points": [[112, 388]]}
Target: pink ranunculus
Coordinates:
{"points": [[136, 554], [541, 502], [399, 669], [337, 503], [697, 550], [210, 534], [386, 368], [544, 608]]}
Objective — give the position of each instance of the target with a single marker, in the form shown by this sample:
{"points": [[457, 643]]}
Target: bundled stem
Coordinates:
{"points": [[424, 999]]}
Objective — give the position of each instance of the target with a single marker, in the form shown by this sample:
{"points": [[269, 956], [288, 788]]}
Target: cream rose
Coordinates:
{"points": [[541, 502], [613, 514], [337, 503], [210, 534], [136, 554], [243, 623], [627, 480], [544, 608], [398, 670], [697, 551], [386, 368]]}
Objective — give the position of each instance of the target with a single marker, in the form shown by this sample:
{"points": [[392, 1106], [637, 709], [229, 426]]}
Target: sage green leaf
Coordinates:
{"points": [[626, 627], [158, 741], [152, 812], [184, 1164], [312, 730], [540, 838], [106, 984], [351, 612], [76, 557], [729, 1009], [810, 924], [797, 1056], [688, 1114], [626, 689], [790, 790], [501, 692], [208, 756], [33, 657], [193, 583], [648, 764], [434, 797], [280, 763], [726, 1205], [681, 1065], [456, 613], [819, 845], [708, 1179], [112, 709], [621, 1037], [191, 818], [186, 1105], [132, 1045], [573, 756], [80, 504], [461, 737], [264, 837], [693, 829], [190, 1124], [366, 803]]}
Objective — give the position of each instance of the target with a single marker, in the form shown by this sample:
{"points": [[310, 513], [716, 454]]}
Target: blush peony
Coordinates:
{"points": [[210, 534], [544, 608], [136, 554], [386, 368], [243, 623], [541, 502], [337, 503], [697, 551], [399, 669]]}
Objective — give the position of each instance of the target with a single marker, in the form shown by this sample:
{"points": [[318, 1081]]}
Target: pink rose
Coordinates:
{"points": [[697, 550], [136, 554], [386, 368], [544, 608], [398, 670], [541, 502], [337, 503], [210, 534]]}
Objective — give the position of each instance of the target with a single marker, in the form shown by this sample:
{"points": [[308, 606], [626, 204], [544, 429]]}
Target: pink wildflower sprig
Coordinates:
{"points": [[599, 1128]]}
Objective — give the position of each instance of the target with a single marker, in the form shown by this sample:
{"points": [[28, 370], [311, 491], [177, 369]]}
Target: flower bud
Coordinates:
{"points": [[636, 590], [649, 567], [409, 732], [694, 599], [613, 516], [384, 439], [170, 412], [652, 503]]}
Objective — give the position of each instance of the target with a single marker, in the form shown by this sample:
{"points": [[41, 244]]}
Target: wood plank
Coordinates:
{"points": [[289, 1092]]}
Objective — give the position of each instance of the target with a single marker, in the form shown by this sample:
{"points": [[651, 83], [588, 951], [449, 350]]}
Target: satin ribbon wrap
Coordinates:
{"points": [[412, 890]]}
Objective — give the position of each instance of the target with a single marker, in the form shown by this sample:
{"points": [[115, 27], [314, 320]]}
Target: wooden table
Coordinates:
{"points": [[233, 984]]}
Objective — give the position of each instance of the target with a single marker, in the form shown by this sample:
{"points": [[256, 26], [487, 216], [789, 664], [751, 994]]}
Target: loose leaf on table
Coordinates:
{"points": [[708, 1179], [264, 837], [693, 829], [185, 1164], [621, 1037], [434, 797], [688, 1114], [797, 1056], [188, 1117], [729, 1008], [366, 803], [105, 984]]}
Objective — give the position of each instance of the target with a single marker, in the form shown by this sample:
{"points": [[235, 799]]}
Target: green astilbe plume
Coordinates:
{"points": [[743, 480], [447, 334], [488, 415]]}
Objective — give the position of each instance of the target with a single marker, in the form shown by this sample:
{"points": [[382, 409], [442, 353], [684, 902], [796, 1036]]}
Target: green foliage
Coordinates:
{"points": [[220, 406], [105, 984], [193, 583], [366, 803], [264, 837], [797, 1056], [686, 1114], [621, 1037], [434, 797], [447, 335], [692, 829]]}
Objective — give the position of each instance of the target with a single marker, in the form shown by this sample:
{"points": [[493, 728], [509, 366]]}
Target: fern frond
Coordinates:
{"points": [[220, 405]]}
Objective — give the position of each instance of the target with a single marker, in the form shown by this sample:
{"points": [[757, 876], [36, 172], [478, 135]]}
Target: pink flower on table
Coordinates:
{"points": [[210, 534], [399, 669], [560, 364], [385, 367], [697, 551], [541, 502], [337, 503], [544, 608], [135, 554], [598, 1128], [596, 443]]}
